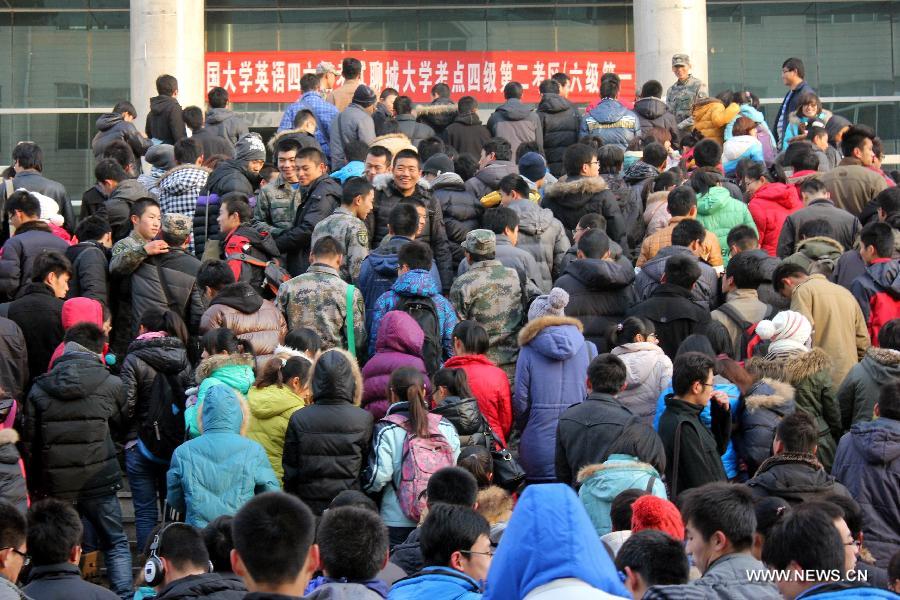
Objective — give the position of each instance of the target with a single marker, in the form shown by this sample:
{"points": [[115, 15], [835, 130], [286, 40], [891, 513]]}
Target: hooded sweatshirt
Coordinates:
{"points": [[225, 123], [560, 122], [648, 373], [653, 112], [165, 122], [241, 309], [862, 387], [719, 212], [399, 344], [517, 123]]}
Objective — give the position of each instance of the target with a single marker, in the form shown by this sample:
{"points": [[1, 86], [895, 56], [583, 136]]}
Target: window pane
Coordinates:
{"points": [[521, 29]]}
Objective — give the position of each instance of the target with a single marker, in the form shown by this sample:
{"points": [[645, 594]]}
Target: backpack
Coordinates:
{"points": [[162, 429], [419, 460], [425, 314], [748, 340], [273, 274], [883, 307]]}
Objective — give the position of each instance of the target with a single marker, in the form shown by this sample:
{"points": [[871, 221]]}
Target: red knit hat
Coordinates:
{"points": [[650, 512]]}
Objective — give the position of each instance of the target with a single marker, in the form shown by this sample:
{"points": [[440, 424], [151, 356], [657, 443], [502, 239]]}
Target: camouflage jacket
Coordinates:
{"points": [[276, 205], [127, 255], [681, 97], [352, 233], [318, 299], [492, 295]]}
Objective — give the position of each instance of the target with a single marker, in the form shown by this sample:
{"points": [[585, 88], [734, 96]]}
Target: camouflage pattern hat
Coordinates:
{"points": [[480, 242], [177, 225], [681, 60]]}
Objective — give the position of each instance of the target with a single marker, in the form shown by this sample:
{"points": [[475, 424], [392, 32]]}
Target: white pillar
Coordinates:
{"points": [[666, 27], [167, 37]]}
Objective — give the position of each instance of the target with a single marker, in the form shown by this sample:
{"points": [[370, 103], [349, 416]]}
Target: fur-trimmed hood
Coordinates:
{"points": [[884, 356], [209, 365], [285, 352], [555, 338], [533, 328], [611, 465], [809, 460], [435, 109], [582, 186], [792, 369], [282, 134], [395, 142], [332, 375], [769, 393]]}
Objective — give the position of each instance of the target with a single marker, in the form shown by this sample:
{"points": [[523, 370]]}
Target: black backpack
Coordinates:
{"points": [[749, 339], [425, 314], [162, 429]]}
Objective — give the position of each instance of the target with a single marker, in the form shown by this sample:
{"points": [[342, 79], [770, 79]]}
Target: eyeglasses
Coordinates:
{"points": [[595, 162], [470, 552], [853, 543], [26, 560], [708, 384]]}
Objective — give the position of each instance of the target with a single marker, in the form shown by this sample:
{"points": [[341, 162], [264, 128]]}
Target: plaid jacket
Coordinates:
{"points": [[179, 189]]}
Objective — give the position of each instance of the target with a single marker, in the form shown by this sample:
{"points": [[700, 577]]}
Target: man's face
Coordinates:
{"points": [[254, 166], [367, 204], [14, 561], [702, 551], [287, 165], [477, 560], [406, 174], [851, 550], [389, 103], [789, 76], [228, 222], [681, 72], [868, 253], [59, 284], [147, 225], [864, 153], [704, 391], [423, 220], [821, 141], [16, 218], [484, 159], [328, 80], [591, 169], [506, 198], [308, 171], [375, 165]]}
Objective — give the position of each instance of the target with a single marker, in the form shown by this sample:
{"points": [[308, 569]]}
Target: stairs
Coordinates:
{"points": [[92, 567]]}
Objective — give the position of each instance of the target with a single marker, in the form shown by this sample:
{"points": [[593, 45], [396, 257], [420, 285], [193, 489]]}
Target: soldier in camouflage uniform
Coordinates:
{"points": [[278, 202], [317, 299], [684, 92], [346, 225], [492, 295]]}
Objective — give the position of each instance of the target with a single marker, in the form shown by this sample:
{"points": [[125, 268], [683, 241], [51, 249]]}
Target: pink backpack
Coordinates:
{"points": [[420, 459]]}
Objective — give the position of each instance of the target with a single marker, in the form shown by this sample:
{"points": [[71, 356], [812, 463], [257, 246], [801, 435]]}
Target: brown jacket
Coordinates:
{"points": [[342, 96], [852, 186], [712, 251], [838, 324], [239, 308]]}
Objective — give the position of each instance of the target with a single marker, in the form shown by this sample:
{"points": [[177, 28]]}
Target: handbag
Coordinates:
{"points": [[508, 473]]}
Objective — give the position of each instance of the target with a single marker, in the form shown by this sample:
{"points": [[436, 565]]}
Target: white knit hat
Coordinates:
{"points": [[552, 304], [787, 330]]}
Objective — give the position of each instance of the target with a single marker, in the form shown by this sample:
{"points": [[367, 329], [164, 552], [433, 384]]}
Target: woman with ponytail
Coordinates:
{"points": [[649, 370], [407, 415], [155, 373], [280, 390]]}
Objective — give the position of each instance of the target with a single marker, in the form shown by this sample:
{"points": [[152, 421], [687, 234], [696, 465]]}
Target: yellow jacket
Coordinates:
{"points": [[711, 117], [270, 412]]}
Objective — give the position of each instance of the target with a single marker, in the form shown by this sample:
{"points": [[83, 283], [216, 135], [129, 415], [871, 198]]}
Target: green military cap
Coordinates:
{"points": [[177, 224], [681, 60], [480, 241]]}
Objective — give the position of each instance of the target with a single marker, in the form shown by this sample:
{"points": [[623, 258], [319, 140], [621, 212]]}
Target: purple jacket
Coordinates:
{"points": [[550, 377], [399, 344]]}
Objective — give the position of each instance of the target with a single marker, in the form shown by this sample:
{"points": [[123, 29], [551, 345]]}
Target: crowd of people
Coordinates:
{"points": [[401, 353]]}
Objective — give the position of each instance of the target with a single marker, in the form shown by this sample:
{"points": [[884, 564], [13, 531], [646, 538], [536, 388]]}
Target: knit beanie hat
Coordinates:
{"points": [[250, 147], [552, 304], [788, 327], [364, 96], [650, 512]]}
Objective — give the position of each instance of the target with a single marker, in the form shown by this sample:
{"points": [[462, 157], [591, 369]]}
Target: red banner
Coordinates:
{"points": [[275, 76]]}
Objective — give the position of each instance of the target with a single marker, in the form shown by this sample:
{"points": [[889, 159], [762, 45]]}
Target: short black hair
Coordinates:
{"points": [[29, 156], [855, 137], [576, 156], [746, 271], [889, 335], [743, 237], [499, 147], [54, 528], [560, 78], [611, 158], [682, 270], [403, 105], [620, 509], [592, 221], [183, 545], [500, 219], [609, 85], [808, 538], [351, 68], [708, 153], [88, 335], [681, 200], [815, 228], [120, 152], [594, 243], [415, 255], [215, 274], [237, 202], [801, 156], [651, 89], [889, 400], [733, 515], [387, 93], [193, 117], [404, 219], [109, 169], [12, 526], [410, 154], [607, 374], [166, 85], [526, 147], [689, 368], [657, 557], [473, 335], [310, 82], [515, 183], [880, 236], [313, 154], [302, 117], [219, 542], [854, 516], [142, 205], [124, 107], [429, 147], [466, 105], [450, 528], [273, 533], [217, 97], [187, 151], [795, 64], [353, 543], [548, 86], [24, 201], [379, 151], [513, 89], [655, 154], [688, 231], [327, 246], [353, 187], [441, 90], [92, 229], [785, 270], [798, 432], [452, 485], [50, 262]]}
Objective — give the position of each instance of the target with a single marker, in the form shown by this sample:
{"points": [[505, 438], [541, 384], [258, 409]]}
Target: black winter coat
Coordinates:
{"points": [[211, 143], [326, 444], [168, 280], [90, 271], [653, 112], [70, 414], [144, 361], [231, 175], [577, 196], [700, 455], [30, 241], [13, 359], [487, 179], [319, 200], [461, 210], [600, 292], [438, 114], [560, 121], [796, 478], [467, 134], [592, 430], [467, 418], [12, 480], [674, 313], [112, 127], [93, 202], [165, 121], [38, 313], [34, 181], [118, 207], [761, 409], [209, 586], [416, 132], [408, 555], [62, 581]]}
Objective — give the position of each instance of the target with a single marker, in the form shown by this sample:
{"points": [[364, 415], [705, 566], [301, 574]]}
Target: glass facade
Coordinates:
{"points": [[71, 54]]}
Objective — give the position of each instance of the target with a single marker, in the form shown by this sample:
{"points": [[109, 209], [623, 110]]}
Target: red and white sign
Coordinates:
{"points": [[275, 76]]}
